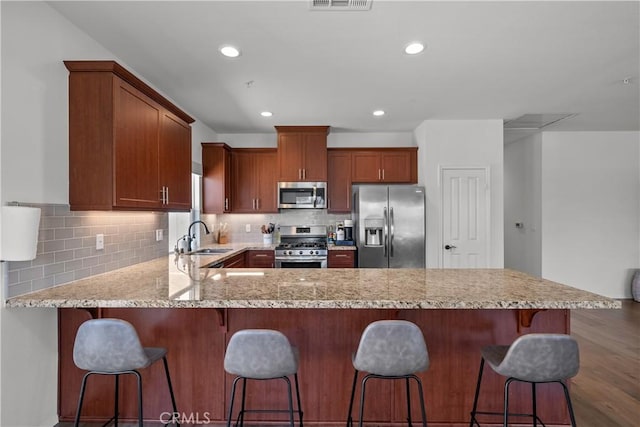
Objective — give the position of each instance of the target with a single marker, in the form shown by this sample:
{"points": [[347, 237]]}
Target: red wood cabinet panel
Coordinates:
{"points": [[216, 178], [341, 259], [302, 153], [339, 181]]}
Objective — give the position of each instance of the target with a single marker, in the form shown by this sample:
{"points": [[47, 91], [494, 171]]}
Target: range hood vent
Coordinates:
{"points": [[536, 121], [336, 5]]}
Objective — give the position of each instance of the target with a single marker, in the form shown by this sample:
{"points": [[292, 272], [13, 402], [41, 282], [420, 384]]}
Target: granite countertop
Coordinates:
{"points": [[179, 281]]}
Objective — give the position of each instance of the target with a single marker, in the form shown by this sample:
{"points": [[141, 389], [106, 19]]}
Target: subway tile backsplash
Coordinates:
{"points": [[67, 246]]}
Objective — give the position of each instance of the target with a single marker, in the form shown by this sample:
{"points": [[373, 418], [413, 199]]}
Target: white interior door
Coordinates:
{"points": [[465, 217]]}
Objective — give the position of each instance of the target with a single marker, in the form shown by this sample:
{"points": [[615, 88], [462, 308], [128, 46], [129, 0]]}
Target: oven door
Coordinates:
{"points": [[301, 262]]}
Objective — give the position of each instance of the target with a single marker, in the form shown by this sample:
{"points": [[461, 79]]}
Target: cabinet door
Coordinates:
{"points": [[289, 157], [175, 162], [243, 173], [396, 167], [266, 194], [260, 259], [365, 166], [341, 259], [236, 261], [216, 178], [339, 181], [314, 166], [137, 123]]}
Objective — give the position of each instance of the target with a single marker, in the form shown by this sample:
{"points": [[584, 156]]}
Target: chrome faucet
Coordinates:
{"points": [[191, 238]]}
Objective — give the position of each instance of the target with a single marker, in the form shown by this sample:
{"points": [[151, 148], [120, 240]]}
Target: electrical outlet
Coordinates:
{"points": [[99, 242], [159, 235], [247, 228]]}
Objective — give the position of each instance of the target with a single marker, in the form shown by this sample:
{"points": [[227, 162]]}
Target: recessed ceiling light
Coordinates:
{"points": [[230, 51], [378, 113], [266, 114], [414, 48]]}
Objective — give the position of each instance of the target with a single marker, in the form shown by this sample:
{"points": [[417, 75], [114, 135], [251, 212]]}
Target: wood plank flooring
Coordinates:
{"points": [[606, 391]]}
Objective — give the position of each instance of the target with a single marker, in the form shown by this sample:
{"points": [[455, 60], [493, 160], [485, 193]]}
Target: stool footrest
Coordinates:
{"points": [[501, 414]]}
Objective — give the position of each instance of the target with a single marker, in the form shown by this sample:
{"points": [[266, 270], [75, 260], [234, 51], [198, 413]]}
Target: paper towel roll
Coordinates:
{"points": [[19, 233]]}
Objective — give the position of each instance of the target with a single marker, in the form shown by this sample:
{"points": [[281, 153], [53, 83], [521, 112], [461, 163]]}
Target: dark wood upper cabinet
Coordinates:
{"points": [[129, 147], [302, 153], [216, 178], [339, 180], [385, 165], [254, 180]]}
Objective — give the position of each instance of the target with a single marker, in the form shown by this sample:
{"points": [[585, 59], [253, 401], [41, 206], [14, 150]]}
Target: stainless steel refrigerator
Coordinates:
{"points": [[389, 223]]}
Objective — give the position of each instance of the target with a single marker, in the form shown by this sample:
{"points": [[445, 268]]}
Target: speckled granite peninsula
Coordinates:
{"points": [[193, 311], [181, 282]]}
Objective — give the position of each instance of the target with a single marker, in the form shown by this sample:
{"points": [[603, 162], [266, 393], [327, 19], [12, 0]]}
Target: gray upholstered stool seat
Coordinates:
{"points": [[390, 349], [532, 358], [261, 354], [112, 347]]}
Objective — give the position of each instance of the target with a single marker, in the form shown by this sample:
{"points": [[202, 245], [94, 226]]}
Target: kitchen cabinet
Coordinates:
{"points": [[388, 165], [302, 153], [216, 178], [254, 180], [260, 259], [341, 259], [339, 181], [236, 261], [129, 147]]}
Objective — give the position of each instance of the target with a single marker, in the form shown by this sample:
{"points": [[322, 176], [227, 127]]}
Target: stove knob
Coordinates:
{"points": [[301, 252], [290, 252]]}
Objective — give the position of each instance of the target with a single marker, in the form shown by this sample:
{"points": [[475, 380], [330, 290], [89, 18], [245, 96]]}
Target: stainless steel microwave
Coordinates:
{"points": [[302, 195]]}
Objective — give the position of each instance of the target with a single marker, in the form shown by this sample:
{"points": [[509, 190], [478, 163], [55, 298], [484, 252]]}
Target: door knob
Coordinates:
{"points": [[447, 247]]}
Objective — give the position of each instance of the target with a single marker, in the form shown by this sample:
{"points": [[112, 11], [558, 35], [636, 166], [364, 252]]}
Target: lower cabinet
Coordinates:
{"points": [[341, 259], [260, 259], [236, 261]]}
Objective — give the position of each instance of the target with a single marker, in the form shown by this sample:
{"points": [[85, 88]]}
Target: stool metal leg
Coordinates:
{"points": [[569, 405], [137, 374], [173, 398], [507, 383], [81, 398], [353, 393], [295, 376], [408, 402], [115, 400], [475, 399], [290, 400], [233, 396], [421, 394], [534, 406], [362, 391]]}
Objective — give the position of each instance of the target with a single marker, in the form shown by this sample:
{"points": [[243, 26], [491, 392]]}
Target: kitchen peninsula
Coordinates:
{"points": [[193, 311]]}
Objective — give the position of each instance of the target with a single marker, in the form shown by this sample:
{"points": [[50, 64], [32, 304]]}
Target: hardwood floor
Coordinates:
{"points": [[606, 391]]}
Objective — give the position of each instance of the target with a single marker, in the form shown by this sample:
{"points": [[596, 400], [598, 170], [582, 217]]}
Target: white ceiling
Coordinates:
{"points": [[483, 60]]}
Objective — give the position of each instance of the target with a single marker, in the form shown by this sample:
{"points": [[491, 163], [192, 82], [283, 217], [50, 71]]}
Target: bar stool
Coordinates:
{"points": [[112, 347], [261, 354], [532, 358], [390, 349]]}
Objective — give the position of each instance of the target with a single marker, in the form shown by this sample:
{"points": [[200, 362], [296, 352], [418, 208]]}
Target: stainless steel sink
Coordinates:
{"points": [[210, 251]]}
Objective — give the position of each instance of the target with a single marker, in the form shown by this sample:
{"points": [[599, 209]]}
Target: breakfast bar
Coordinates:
{"points": [[178, 303]]}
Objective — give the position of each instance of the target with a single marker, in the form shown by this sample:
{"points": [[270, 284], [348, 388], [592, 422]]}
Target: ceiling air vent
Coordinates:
{"points": [[341, 4], [536, 121]]}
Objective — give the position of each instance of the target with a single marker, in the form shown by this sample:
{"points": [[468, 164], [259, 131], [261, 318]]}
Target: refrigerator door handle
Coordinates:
{"points": [[391, 222], [386, 231]]}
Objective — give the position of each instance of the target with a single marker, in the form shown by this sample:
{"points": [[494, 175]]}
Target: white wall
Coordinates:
{"points": [[334, 139], [591, 209], [461, 143], [522, 203], [34, 169]]}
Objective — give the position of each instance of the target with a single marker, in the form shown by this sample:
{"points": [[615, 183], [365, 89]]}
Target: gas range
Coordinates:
{"points": [[303, 245]]}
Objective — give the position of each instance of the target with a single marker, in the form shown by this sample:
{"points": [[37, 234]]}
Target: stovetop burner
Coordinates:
{"points": [[302, 245], [302, 241]]}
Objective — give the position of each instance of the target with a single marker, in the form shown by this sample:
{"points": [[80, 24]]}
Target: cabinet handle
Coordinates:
{"points": [[167, 193], [299, 173], [260, 255], [253, 204], [378, 174], [383, 174], [340, 255], [304, 174], [226, 203], [257, 204]]}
